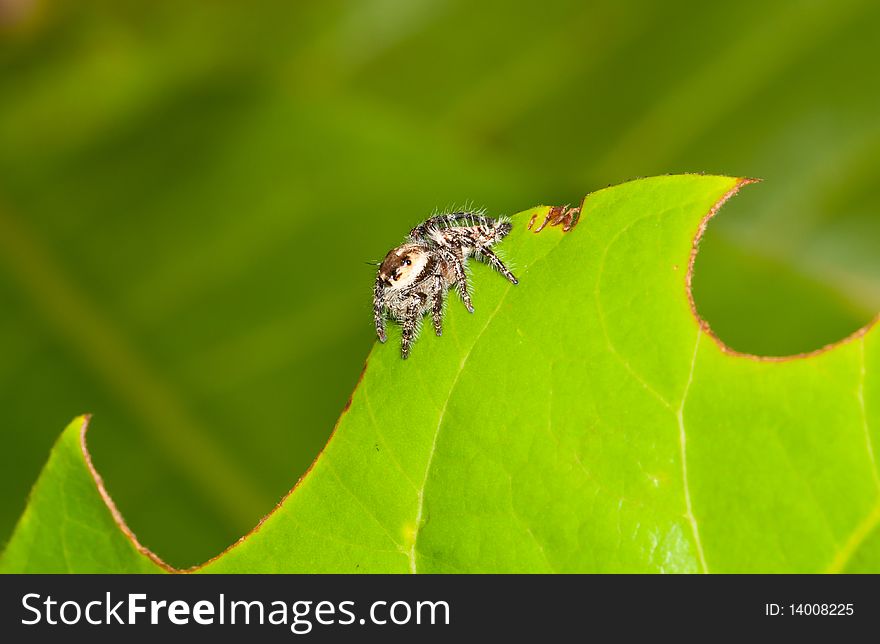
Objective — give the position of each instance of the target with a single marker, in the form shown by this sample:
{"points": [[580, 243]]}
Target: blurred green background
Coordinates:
{"points": [[189, 192]]}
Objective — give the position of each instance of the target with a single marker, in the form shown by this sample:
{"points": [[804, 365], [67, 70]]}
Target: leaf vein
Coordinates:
{"points": [[384, 442], [682, 441], [365, 507], [601, 311]]}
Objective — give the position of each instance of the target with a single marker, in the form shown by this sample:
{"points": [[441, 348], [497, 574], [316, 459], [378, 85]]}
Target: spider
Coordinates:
{"points": [[414, 277]]}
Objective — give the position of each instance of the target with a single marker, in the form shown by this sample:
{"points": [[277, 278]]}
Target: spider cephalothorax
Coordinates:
{"points": [[414, 277]]}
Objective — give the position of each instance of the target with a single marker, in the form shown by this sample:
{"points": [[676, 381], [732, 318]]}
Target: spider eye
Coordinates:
{"points": [[408, 262]]}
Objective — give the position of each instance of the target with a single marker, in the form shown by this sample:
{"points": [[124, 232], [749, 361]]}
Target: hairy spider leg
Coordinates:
{"points": [[378, 310], [437, 304], [410, 323], [492, 258], [461, 283]]}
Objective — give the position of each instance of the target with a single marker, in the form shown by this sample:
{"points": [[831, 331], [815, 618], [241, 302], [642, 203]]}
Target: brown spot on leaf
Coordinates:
{"points": [[565, 215]]}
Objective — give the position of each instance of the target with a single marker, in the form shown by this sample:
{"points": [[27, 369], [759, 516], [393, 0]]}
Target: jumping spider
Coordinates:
{"points": [[414, 277]]}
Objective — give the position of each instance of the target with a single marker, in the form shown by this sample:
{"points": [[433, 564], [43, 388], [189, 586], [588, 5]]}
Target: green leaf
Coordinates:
{"points": [[70, 524], [584, 420]]}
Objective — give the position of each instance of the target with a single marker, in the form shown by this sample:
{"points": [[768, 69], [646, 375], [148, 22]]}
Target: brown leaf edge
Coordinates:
{"points": [[111, 505], [704, 326], [152, 556]]}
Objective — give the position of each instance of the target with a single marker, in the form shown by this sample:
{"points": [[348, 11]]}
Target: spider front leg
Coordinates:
{"points": [[497, 263], [437, 304], [379, 310], [410, 325]]}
